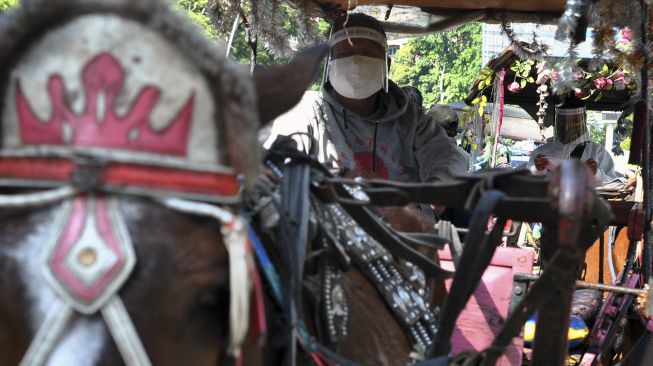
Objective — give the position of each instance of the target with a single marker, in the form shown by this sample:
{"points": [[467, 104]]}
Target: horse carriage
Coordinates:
{"points": [[139, 225]]}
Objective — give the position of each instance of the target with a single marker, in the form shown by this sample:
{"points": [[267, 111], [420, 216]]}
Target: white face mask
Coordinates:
{"points": [[357, 77]]}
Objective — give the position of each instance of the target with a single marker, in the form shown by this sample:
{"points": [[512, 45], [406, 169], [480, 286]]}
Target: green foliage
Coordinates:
{"points": [[443, 66], [6, 4], [217, 24], [597, 132], [625, 144], [197, 11]]}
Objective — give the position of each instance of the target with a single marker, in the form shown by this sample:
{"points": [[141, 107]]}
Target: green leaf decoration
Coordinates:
{"points": [[530, 79], [523, 83]]}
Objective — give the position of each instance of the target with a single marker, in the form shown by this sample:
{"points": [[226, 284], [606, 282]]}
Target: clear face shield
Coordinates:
{"points": [[570, 124], [358, 72]]}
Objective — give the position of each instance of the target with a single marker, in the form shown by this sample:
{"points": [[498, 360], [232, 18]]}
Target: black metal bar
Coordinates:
{"points": [[601, 255], [571, 193], [520, 277], [550, 344], [646, 155]]}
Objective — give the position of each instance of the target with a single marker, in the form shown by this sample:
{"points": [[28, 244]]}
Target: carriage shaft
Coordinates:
{"points": [[520, 277]]}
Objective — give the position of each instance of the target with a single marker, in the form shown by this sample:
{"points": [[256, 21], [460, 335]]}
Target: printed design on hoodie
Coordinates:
{"points": [[365, 162]]}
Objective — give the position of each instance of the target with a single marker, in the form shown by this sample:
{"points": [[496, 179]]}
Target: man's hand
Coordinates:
{"points": [[593, 165], [352, 174], [437, 209], [541, 162]]}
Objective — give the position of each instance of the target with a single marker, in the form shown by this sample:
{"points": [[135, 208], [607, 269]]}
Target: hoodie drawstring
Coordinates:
{"points": [[345, 116], [376, 126]]}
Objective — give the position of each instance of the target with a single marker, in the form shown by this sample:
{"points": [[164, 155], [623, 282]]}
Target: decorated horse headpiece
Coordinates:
{"points": [[123, 82], [121, 97]]}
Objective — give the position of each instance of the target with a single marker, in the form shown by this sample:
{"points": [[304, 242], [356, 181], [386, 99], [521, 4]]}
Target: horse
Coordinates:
{"points": [[121, 175], [372, 332], [120, 239]]}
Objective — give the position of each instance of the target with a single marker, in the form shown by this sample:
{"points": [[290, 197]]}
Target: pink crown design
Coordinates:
{"points": [[132, 132]]}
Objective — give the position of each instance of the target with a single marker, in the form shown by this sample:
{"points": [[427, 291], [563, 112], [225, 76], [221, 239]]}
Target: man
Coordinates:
{"points": [[572, 140], [448, 119], [363, 123]]}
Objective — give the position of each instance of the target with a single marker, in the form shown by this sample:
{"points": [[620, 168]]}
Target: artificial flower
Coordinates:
{"points": [[601, 82], [627, 34], [514, 87], [580, 93]]}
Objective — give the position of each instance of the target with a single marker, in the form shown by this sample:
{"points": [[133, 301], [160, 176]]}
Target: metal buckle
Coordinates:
{"points": [[87, 175]]}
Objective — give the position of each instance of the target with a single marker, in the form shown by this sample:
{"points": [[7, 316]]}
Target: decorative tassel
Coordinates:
{"points": [[573, 23]]}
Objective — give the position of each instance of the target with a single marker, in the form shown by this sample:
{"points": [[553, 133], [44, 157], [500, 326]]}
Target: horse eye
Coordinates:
{"points": [[214, 297]]}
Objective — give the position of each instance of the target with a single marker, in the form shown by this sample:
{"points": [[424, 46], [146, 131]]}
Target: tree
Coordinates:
{"points": [[443, 66], [271, 29], [6, 4]]}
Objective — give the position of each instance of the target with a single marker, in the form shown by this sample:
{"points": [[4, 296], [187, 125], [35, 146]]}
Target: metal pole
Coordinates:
{"points": [[646, 153], [519, 277], [234, 29]]}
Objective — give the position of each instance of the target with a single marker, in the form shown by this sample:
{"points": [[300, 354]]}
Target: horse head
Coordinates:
{"points": [[126, 138]]}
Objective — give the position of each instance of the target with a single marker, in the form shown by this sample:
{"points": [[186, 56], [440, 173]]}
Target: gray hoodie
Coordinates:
{"points": [[399, 142]]}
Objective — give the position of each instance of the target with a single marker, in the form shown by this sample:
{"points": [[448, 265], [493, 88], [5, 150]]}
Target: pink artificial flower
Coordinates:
{"points": [[514, 87], [542, 77], [601, 82], [542, 88], [578, 75], [554, 75], [627, 34], [469, 133], [580, 93], [619, 75]]}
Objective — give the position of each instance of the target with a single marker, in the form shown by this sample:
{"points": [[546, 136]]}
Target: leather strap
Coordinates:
{"points": [[120, 177], [295, 205], [476, 256], [388, 238]]}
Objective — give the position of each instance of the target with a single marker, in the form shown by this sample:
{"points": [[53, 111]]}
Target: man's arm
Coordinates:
{"points": [[436, 153], [605, 166]]}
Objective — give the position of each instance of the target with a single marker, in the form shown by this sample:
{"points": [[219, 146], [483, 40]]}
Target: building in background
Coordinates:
{"points": [[395, 44], [495, 42]]}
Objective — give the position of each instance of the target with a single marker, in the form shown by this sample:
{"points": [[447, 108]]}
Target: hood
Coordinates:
{"points": [[393, 103]]}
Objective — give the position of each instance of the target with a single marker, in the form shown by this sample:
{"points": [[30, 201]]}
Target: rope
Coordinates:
{"points": [[234, 233], [38, 198]]}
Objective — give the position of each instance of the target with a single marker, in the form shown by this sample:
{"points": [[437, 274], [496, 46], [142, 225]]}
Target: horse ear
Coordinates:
{"points": [[280, 87]]}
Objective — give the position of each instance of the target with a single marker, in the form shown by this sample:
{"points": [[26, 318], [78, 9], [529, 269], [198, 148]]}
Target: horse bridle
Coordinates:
{"points": [[103, 243]]}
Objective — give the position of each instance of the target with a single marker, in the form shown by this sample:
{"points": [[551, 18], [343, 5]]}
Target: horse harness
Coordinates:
{"points": [[90, 254], [111, 120]]}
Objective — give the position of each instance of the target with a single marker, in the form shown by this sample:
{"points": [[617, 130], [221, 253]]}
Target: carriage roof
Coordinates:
{"points": [[455, 12]]}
